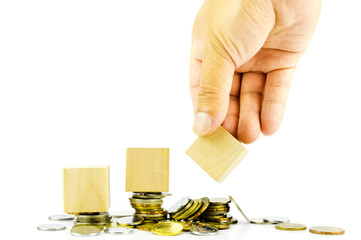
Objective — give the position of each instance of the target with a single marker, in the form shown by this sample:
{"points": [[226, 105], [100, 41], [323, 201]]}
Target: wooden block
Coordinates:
{"points": [[218, 154], [86, 189], [147, 170]]}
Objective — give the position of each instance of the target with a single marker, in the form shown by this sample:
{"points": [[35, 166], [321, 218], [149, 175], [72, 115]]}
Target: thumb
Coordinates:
{"points": [[213, 95]]}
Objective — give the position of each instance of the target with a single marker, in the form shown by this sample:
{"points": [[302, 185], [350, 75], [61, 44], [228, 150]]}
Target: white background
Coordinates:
{"points": [[82, 80]]}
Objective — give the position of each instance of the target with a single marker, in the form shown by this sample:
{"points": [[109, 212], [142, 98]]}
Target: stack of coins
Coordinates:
{"points": [[148, 205], [93, 218], [217, 214]]}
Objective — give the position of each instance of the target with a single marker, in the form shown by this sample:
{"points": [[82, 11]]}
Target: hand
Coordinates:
{"points": [[244, 54]]}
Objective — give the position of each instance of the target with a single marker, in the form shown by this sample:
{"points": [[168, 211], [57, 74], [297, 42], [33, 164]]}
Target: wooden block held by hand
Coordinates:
{"points": [[218, 154], [86, 189], [147, 170]]}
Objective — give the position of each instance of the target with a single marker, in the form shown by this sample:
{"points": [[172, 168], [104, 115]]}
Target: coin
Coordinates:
{"points": [[218, 225], [214, 207], [51, 227], [327, 230], [207, 213], [80, 230], [132, 220], [244, 215], [150, 212], [259, 221], [145, 201], [179, 205], [223, 218], [191, 212], [233, 221], [100, 226], [291, 226], [167, 228], [217, 209], [186, 210], [118, 230], [276, 220], [183, 210], [61, 217], [146, 226], [146, 205], [203, 230], [205, 204], [219, 201]]}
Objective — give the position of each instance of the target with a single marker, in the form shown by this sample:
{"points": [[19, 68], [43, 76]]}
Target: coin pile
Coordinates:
{"points": [[148, 205], [93, 218], [217, 214]]}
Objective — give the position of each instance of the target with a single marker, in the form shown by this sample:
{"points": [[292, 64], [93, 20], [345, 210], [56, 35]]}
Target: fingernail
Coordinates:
{"points": [[202, 123]]}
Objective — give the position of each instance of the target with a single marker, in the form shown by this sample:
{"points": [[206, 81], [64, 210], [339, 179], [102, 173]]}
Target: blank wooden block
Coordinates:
{"points": [[218, 154], [86, 189], [147, 170]]}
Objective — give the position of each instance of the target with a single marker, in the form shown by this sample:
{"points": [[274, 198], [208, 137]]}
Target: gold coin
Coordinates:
{"points": [[326, 230], [150, 212], [217, 225], [206, 213], [218, 206], [205, 204], [191, 210], [167, 228], [225, 218], [146, 205], [146, 226], [217, 209], [291, 226], [195, 210], [81, 230], [183, 210]]}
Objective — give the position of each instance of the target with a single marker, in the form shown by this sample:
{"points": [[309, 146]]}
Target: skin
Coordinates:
{"points": [[243, 57]]}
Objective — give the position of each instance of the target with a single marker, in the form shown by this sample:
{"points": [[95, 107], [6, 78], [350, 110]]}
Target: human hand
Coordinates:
{"points": [[244, 54]]}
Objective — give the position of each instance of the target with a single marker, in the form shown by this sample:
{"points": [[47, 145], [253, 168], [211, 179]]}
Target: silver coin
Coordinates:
{"points": [[259, 221], [61, 217], [131, 220], [51, 227], [118, 230], [275, 220], [85, 231], [119, 214], [219, 201], [203, 230], [179, 205]]}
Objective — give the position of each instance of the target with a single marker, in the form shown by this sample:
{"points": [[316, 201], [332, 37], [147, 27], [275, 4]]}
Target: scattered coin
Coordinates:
{"points": [[203, 230], [80, 230], [291, 226], [259, 221], [167, 228], [327, 230], [61, 217], [51, 227], [118, 230], [276, 220], [244, 215]]}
